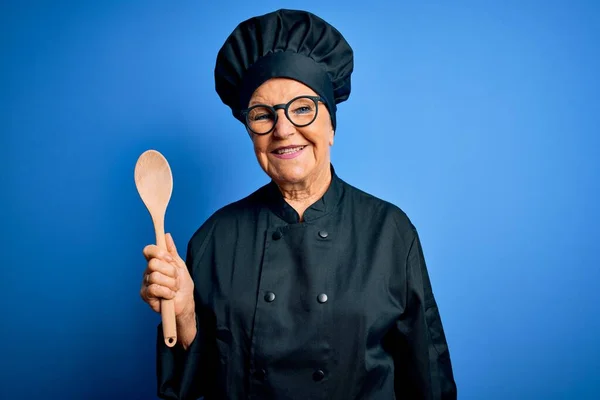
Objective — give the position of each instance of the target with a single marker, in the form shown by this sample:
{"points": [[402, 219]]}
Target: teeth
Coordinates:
{"points": [[289, 150]]}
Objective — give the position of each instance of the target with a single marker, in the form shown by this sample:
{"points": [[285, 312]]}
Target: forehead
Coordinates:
{"points": [[279, 90]]}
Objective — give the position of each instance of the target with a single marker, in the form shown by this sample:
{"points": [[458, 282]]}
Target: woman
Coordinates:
{"points": [[308, 288]]}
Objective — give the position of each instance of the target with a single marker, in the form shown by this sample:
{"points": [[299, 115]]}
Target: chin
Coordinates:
{"points": [[291, 176]]}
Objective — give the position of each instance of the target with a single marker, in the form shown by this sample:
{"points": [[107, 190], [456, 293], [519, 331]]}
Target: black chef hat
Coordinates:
{"points": [[286, 44]]}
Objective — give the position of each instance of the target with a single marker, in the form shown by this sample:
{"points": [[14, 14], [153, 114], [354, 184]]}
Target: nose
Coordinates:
{"points": [[283, 127]]}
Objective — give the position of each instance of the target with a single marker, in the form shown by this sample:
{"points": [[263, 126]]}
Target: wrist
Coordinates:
{"points": [[186, 329]]}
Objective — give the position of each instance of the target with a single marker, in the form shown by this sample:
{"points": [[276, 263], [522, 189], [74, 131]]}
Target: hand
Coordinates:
{"points": [[167, 277]]}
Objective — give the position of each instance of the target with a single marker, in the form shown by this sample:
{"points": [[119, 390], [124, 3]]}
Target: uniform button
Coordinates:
{"points": [[277, 235], [322, 298], [323, 234], [260, 374], [318, 375], [269, 297]]}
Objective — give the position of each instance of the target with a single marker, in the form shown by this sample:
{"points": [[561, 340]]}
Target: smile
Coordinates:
{"points": [[288, 152]]}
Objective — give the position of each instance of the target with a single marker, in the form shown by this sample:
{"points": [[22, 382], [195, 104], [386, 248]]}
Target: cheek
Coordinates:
{"points": [[321, 136], [260, 145]]}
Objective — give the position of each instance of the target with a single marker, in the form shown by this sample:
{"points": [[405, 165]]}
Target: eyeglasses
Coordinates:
{"points": [[301, 111]]}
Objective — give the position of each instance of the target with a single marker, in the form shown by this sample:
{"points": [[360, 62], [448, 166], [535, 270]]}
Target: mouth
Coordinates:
{"points": [[288, 152]]}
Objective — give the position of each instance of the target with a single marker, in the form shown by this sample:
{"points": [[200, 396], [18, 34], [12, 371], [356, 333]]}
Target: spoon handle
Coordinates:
{"points": [[167, 307]]}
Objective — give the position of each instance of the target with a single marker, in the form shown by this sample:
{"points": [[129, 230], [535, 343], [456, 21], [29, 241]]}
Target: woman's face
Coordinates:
{"points": [[307, 156]]}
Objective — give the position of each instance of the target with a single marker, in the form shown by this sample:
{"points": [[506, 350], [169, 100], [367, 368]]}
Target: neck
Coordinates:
{"points": [[300, 196]]}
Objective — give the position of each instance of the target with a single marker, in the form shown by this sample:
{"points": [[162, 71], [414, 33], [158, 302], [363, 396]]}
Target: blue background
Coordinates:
{"points": [[478, 118]]}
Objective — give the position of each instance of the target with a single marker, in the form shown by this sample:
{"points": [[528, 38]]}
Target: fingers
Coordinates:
{"points": [[161, 278], [159, 282], [169, 254], [153, 302], [152, 251], [153, 294], [155, 277], [157, 292], [172, 249], [162, 267]]}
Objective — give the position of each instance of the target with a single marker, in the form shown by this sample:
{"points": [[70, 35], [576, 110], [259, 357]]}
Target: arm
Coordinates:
{"points": [[178, 370], [422, 358], [182, 370]]}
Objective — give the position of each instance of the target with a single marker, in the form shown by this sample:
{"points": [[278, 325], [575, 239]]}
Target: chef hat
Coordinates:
{"points": [[286, 44]]}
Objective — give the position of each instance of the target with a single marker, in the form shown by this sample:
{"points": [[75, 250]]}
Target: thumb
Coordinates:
{"points": [[171, 248]]}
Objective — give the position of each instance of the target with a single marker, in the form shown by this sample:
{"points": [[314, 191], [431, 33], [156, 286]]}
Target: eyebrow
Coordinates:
{"points": [[256, 101], [261, 100]]}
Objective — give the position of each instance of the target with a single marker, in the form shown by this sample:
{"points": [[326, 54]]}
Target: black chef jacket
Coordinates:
{"points": [[338, 306]]}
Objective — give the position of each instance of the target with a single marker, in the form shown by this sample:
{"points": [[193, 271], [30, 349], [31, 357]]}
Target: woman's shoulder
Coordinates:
{"points": [[378, 209]]}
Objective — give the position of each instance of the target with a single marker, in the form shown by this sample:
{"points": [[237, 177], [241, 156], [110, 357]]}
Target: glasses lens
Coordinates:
{"points": [[260, 119], [302, 111]]}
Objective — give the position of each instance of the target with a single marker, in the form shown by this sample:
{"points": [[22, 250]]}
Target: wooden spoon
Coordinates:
{"points": [[154, 183]]}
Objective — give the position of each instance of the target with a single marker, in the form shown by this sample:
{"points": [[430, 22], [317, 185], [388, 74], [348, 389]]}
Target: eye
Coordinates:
{"points": [[260, 114], [302, 106], [302, 110], [262, 117]]}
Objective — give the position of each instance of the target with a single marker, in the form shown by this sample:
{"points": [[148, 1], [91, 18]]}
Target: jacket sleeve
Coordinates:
{"points": [[179, 372], [185, 374], [421, 355]]}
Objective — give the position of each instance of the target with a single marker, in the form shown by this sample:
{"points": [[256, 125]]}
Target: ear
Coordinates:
{"points": [[331, 136]]}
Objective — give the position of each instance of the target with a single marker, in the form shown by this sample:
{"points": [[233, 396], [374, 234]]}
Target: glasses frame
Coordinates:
{"points": [[285, 107]]}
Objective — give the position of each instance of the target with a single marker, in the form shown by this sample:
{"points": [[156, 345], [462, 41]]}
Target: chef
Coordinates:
{"points": [[308, 288]]}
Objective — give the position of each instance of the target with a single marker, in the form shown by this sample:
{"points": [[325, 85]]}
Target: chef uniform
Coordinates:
{"points": [[338, 306]]}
